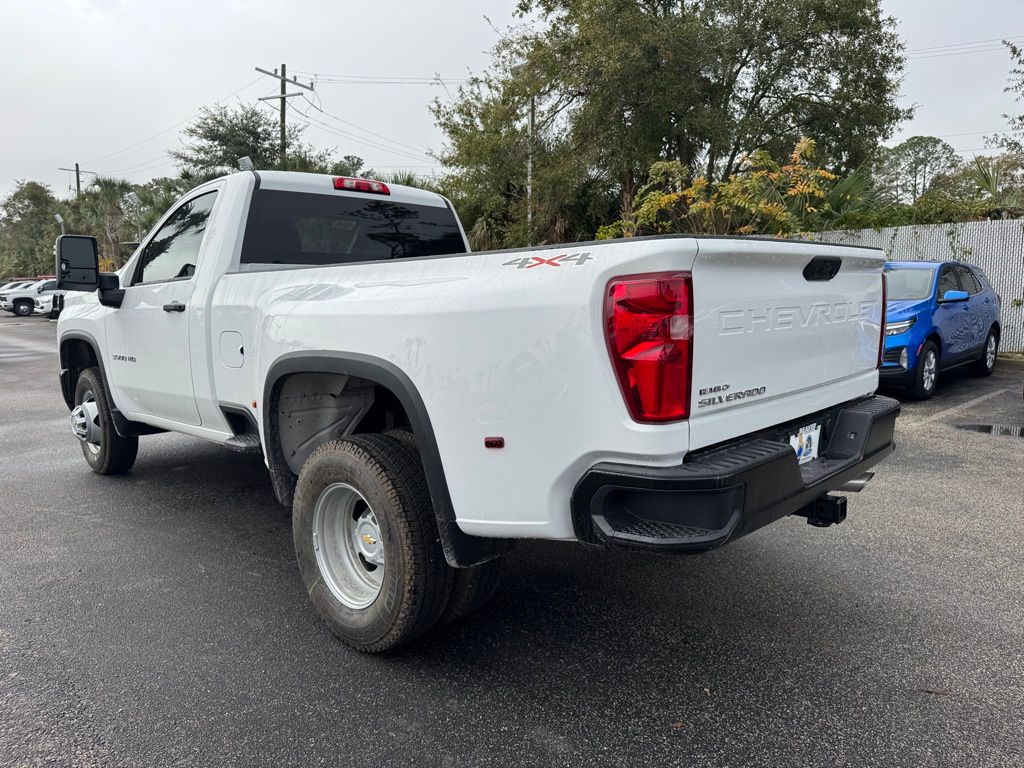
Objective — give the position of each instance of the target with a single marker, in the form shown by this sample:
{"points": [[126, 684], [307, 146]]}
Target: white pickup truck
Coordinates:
{"points": [[420, 407]]}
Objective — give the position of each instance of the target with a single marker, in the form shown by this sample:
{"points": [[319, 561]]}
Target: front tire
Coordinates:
{"points": [[986, 364], [367, 544], [107, 452], [926, 374], [23, 309]]}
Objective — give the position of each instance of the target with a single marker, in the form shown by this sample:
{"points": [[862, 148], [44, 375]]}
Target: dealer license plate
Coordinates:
{"points": [[805, 442]]}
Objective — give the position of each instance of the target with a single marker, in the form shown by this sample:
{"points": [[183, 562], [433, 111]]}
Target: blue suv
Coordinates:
{"points": [[939, 315]]}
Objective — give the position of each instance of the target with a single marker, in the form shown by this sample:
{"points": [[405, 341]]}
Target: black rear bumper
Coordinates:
{"points": [[728, 491]]}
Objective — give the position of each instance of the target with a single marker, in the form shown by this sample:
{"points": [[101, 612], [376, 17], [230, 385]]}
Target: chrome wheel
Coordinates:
{"points": [[348, 545], [928, 372], [85, 422], [990, 351]]}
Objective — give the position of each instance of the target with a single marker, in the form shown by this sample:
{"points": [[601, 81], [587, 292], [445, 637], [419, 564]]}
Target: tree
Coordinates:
{"points": [[220, 136], [763, 198], [1012, 141], [100, 211], [906, 171], [622, 84], [27, 230]]}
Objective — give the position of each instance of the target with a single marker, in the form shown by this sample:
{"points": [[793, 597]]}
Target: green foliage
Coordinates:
{"points": [[620, 85], [222, 135], [1012, 141], [27, 231], [763, 198], [904, 172]]}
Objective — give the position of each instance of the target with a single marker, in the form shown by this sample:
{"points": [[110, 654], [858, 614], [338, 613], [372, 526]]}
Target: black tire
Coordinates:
{"points": [[472, 587], [981, 366], [926, 374], [416, 580], [114, 455], [23, 308], [405, 437]]}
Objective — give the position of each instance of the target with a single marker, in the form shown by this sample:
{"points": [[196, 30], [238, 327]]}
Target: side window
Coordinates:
{"points": [[49, 285], [948, 281], [970, 283], [173, 252]]}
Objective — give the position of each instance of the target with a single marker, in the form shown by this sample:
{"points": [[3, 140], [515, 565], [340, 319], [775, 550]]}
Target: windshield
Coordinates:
{"points": [[908, 284]]}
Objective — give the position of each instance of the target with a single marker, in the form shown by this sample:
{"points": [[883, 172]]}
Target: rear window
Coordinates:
{"points": [[302, 229]]}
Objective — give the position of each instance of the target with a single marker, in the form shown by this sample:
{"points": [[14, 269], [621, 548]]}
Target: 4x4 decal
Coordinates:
{"points": [[529, 262]]}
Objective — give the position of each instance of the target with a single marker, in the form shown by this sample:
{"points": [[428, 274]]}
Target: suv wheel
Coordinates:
{"points": [[23, 308], [986, 364], [367, 544], [926, 374]]}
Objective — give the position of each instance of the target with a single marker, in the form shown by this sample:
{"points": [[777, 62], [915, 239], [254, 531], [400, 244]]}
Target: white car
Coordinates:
{"points": [[46, 299], [20, 300], [420, 407], [44, 305]]}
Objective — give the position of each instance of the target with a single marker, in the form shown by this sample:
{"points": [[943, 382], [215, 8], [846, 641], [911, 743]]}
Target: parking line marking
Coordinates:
{"points": [[958, 408]]}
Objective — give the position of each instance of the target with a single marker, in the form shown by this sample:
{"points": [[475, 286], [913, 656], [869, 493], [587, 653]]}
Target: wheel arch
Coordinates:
{"points": [[77, 351], [461, 549]]}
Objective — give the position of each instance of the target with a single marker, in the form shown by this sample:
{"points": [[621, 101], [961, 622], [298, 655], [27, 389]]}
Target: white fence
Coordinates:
{"points": [[995, 246]]}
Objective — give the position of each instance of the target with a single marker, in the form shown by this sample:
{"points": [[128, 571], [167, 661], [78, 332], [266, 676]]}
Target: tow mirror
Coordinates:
{"points": [[78, 263], [950, 297]]}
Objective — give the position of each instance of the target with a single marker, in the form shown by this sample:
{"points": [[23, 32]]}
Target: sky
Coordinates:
{"points": [[110, 83]]}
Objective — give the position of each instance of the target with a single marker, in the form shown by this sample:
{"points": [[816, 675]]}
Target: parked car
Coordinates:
{"points": [[47, 305], [46, 301], [21, 300], [419, 406], [939, 315]]}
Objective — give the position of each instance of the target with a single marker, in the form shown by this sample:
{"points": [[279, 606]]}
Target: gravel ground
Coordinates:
{"points": [[159, 619]]}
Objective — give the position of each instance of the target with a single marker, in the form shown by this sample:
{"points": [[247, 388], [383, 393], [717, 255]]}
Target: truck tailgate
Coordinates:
{"points": [[777, 336]]}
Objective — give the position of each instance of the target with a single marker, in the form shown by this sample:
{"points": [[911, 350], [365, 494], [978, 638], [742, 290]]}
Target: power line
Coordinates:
{"points": [[384, 79], [358, 139], [364, 130], [993, 49], [962, 45], [176, 125]]}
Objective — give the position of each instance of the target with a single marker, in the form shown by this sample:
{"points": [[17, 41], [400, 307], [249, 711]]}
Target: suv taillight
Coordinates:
{"points": [[649, 322], [881, 337]]}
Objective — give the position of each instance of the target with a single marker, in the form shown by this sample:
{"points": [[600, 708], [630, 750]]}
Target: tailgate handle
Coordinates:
{"points": [[822, 268]]}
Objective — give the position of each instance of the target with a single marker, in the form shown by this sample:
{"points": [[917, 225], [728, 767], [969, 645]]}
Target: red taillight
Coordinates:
{"points": [[881, 339], [650, 335], [361, 185]]}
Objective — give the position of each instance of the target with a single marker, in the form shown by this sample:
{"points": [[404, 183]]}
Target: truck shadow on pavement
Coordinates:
{"points": [[567, 604]]}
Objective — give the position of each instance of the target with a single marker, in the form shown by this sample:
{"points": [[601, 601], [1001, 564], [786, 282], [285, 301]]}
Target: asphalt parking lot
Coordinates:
{"points": [[159, 619]]}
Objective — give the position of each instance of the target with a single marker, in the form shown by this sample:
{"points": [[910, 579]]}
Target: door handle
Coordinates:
{"points": [[174, 306]]}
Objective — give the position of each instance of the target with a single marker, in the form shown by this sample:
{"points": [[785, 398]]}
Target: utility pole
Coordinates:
{"points": [[284, 148], [283, 77], [78, 177], [529, 175], [523, 68]]}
